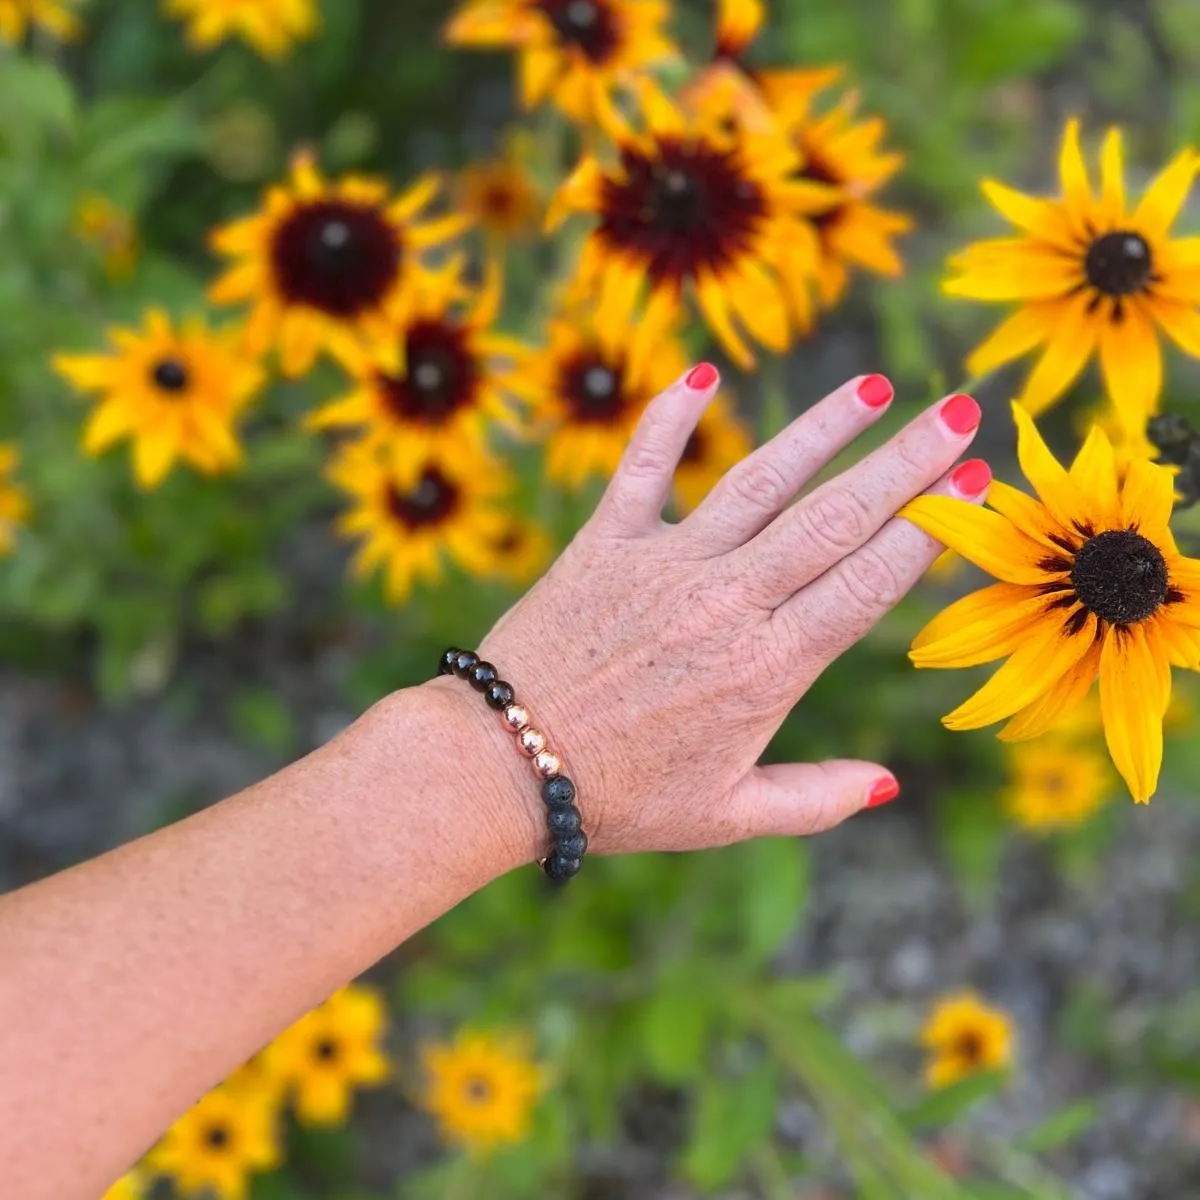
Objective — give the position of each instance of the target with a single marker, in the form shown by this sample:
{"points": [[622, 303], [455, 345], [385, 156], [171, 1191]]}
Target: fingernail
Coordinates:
{"points": [[886, 789], [971, 478], [875, 391], [701, 377], [960, 414]]}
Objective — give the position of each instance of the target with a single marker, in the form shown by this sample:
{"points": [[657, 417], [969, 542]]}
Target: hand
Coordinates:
{"points": [[660, 659]]}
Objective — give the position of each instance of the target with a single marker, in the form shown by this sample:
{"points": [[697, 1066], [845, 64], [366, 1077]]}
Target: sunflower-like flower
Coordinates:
{"points": [[522, 551], [325, 264], [1092, 277], [49, 15], [410, 521], [441, 376], [700, 205], [1056, 783], [176, 393], [500, 196], [965, 1036], [719, 441], [101, 224], [271, 27], [1092, 584], [573, 51], [482, 1088], [14, 504]]}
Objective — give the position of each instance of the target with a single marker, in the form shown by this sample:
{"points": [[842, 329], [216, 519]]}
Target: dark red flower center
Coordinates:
{"points": [[1120, 576], [169, 375], [441, 375], [593, 390], [969, 1047], [326, 1050], [432, 500], [1119, 263], [479, 1091], [588, 25], [217, 1137]]}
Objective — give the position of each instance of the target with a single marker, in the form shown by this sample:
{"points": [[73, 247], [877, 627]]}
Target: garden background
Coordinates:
{"points": [[739, 1023]]}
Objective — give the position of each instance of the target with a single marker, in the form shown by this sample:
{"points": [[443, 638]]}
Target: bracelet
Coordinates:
{"points": [[563, 819]]}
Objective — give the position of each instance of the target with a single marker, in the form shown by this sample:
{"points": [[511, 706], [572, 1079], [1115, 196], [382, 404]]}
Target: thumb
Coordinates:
{"points": [[791, 799]]}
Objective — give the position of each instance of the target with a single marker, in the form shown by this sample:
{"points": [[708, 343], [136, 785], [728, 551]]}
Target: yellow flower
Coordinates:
{"points": [[482, 1089], [430, 389], [324, 264], [719, 441], [1092, 584], [522, 551], [175, 393], [738, 24], [216, 1144], [500, 198], [128, 1187], [965, 1036], [1056, 783], [406, 520], [573, 51], [55, 18], [14, 504], [269, 26], [102, 224], [703, 206], [1129, 441], [1091, 277]]}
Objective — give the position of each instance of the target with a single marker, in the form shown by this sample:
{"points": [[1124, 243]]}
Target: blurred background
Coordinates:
{"points": [[747, 1023]]}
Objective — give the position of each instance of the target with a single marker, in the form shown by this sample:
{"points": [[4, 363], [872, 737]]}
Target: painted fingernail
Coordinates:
{"points": [[960, 414], [875, 391], [886, 789], [971, 478], [701, 377]]}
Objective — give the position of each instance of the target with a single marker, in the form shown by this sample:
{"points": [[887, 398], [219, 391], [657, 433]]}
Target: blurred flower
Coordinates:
{"points": [[522, 550], [719, 441], [482, 1088], [701, 205], [965, 1036], [102, 224], [14, 504], [738, 23], [500, 197], [1129, 440], [407, 519], [217, 1143], [945, 567], [269, 26], [175, 393], [128, 1187], [329, 1052], [325, 263], [257, 1078], [1090, 277], [1056, 783], [573, 51], [1093, 584], [55, 18], [429, 390]]}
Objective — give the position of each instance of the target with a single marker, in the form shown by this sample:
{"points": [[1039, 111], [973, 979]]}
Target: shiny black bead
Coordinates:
{"points": [[481, 674], [562, 821], [559, 868], [464, 662], [447, 661], [573, 845], [499, 695], [558, 791]]}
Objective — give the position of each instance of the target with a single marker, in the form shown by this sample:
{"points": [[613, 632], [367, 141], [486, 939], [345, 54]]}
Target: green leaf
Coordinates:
{"points": [[263, 719], [37, 100], [1062, 1126], [675, 1023], [973, 833], [775, 875], [732, 1120], [946, 1105]]}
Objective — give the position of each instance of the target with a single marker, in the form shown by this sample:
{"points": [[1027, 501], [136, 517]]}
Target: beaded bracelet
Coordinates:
{"points": [[563, 819]]}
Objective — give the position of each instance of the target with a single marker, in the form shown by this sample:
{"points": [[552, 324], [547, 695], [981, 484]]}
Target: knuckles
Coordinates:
{"points": [[873, 585], [835, 521], [761, 485]]}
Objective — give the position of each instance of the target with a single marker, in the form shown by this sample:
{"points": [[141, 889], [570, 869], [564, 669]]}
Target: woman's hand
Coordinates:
{"points": [[660, 659]]}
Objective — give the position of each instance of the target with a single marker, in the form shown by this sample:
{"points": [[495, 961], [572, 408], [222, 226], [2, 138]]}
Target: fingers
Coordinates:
{"points": [[633, 503], [763, 483], [842, 514], [836, 610], [796, 799]]}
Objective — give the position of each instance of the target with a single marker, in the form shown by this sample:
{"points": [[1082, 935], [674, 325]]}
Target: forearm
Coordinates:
{"points": [[131, 984]]}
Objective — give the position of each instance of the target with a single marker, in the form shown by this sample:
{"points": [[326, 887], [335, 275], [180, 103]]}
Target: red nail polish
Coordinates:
{"points": [[875, 391], [885, 790], [972, 477], [961, 414], [701, 377]]}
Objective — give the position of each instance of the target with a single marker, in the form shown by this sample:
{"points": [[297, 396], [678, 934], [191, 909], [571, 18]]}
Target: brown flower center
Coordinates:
{"points": [[1120, 576], [326, 1050], [431, 501], [588, 25], [217, 1137], [594, 391], [1119, 263], [478, 1090], [441, 375], [169, 375]]}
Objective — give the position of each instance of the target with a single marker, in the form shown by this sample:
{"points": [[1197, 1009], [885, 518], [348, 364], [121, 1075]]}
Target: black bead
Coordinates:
{"points": [[559, 868], [558, 791], [499, 695], [447, 661], [481, 674], [464, 662], [573, 845], [562, 821]]}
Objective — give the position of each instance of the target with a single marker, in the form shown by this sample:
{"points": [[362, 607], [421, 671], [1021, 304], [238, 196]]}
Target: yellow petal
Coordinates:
{"points": [[1147, 498], [1056, 489], [1132, 703], [1026, 512], [1015, 336], [111, 421], [153, 455], [1182, 323], [1166, 196], [1057, 702], [1077, 190], [1094, 471], [1071, 339], [713, 304], [1112, 180], [539, 67], [979, 628], [580, 192], [1131, 359], [1043, 219]]}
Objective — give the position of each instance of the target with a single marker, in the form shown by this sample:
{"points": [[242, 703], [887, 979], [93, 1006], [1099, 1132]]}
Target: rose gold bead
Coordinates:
{"points": [[516, 717], [546, 764], [532, 741]]}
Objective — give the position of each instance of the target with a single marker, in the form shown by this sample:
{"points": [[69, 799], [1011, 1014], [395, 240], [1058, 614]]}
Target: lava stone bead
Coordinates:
{"points": [[573, 845], [447, 661], [498, 695], [464, 662], [564, 821], [481, 674], [558, 792], [560, 868]]}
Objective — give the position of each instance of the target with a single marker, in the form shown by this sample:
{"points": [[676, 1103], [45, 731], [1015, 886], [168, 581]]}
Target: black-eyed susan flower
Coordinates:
{"points": [[101, 224], [438, 379], [500, 196], [52, 17], [216, 1146], [1092, 584], [574, 52], [482, 1088], [965, 1036], [271, 27], [1092, 277], [719, 441], [1055, 783], [329, 1053], [324, 264], [702, 207], [522, 549], [128, 1187], [410, 522], [14, 503], [174, 392]]}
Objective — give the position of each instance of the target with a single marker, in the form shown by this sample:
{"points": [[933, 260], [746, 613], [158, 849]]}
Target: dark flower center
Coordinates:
{"points": [[1119, 264], [1120, 576], [169, 375], [479, 1091], [337, 257], [326, 1050], [586, 24], [816, 170], [687, 209], [431, 501], [216, 1137], [441, 375], [594, 391], [970, 1047]]}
